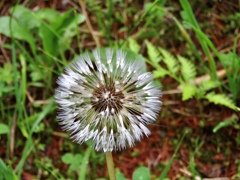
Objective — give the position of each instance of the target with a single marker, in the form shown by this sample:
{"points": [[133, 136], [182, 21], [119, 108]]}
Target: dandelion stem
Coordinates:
{"points": [[110, 165]]}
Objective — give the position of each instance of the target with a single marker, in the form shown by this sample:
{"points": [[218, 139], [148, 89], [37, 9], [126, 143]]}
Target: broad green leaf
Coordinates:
{"points": [[66, 27], [67, 20], [229, 121], [188, 91], [80, 18], [4, 129], [63, 21], [120, 176], [49, 39], [18, 31], [153, 52], [221, 99], [65, 40], [188, 69], [25, 17], [67, 158], [75, 164], [170, 61], [141, 173], [47, 14]]}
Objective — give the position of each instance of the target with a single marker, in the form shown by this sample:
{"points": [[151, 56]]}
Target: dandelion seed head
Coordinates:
{"points": [[107, 99]]}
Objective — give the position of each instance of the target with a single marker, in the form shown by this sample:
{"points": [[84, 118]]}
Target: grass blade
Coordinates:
{"points": [[29, 144], [192, 20], [167, 168], [84, 164]]}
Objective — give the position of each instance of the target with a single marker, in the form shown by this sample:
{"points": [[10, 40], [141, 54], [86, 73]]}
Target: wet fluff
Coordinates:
{"points": [[107, 99]]}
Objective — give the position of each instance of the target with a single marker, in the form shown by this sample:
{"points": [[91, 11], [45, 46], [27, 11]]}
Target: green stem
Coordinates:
{"points": [[139, 21], [84, 164], [110, 165]]}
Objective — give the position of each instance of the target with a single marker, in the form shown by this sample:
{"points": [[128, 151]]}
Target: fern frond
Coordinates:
{"points": [[170, 61], [188, 69], [160, 72], [222, 99], [153, 52], [208, 85], [188, 91]]}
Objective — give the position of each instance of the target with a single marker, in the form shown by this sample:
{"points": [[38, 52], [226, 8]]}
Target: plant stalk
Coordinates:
{"points": [[110, 165]]}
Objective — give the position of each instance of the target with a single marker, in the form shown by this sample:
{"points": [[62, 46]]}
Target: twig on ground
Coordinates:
{"points": [[95, 32], [178, 111], [220, 74], [30, 98], [172, 91], [12, 135], [83, 7]]}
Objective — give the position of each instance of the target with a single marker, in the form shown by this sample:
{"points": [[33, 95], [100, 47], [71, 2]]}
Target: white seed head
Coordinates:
{"points": [[107, 100]]}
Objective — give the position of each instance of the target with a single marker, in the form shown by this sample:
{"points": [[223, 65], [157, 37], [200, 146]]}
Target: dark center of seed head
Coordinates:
{"points": [[107, 99]]}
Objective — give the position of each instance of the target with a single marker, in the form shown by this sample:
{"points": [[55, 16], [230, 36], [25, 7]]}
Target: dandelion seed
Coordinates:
{"points": [[108, 100]]}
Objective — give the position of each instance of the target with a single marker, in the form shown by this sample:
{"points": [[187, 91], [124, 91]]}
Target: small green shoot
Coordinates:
{"points": [[167, 168], [6, 173], [227, 122]]}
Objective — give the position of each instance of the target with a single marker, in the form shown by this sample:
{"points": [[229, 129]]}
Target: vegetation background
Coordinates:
{"points": [[193, 50]]}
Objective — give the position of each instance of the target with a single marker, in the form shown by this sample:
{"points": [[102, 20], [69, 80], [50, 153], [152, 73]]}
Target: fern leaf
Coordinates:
{"points": [[188, 69], [222, 99], [188, 91], [160, 72], [170, 61], [208, 85], [153, 52]]}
